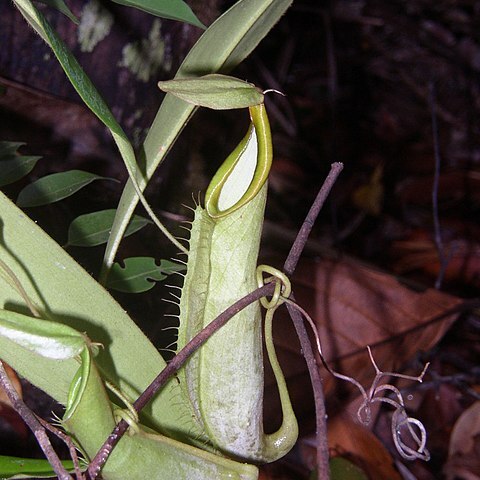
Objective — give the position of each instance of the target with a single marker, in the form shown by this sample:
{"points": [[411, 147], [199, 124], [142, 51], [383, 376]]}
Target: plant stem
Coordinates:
{"points": [[68, 442], [302, 237], [443, 262], [35, 426], [323, 470]]}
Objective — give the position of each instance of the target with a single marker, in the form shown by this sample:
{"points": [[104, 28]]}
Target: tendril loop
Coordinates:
{"points": [[283, 287], [129, 414], [132, 420]]}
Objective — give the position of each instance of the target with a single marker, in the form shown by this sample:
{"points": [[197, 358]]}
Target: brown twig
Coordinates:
{"points": [[68, 442], [182, 356], [306, 228], [323, 470], [35, 426], [443, 261]]}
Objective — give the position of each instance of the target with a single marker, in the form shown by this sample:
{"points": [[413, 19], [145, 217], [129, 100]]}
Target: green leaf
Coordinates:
{"points": [[9, 149], [226, 43], [219, 92], [62, 7], [43, 337], [14, 166], [94, 101], [57, 284], [172, 9], [140, 274], [55, 187], [94, 228], [343, 469], [15, 467]]}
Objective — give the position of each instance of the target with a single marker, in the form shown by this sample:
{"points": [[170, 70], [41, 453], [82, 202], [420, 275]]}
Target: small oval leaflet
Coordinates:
{"points": [[13, 165], [55, 187], [140, 274], [94, 228]]}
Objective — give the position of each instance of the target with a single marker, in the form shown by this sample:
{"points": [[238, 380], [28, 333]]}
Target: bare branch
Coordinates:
{"points": [[35, 426], [306, 228], [68, 441], [443, 261], [323, 469]]}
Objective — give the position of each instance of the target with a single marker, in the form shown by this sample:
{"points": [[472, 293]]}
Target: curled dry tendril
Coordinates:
{"points": [[401, 424]]}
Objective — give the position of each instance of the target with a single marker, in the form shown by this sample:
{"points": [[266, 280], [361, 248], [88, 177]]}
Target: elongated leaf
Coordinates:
{"points": [[15, 467], [227, 42], [12, 165], [172, 9], [56, 284], [94, 228], [62, 7], [139, 274], [55, 187], [219, 92]]}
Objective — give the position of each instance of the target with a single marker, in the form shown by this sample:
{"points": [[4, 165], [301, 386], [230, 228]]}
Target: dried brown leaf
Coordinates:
{"points": [[419, 252], [354, 306], [464, 449], [4, 400], [358, 444]]}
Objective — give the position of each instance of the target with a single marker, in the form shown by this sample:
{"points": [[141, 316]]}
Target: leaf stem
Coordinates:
{"points": [[443, 261]]}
